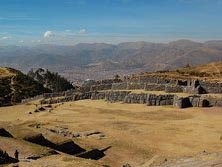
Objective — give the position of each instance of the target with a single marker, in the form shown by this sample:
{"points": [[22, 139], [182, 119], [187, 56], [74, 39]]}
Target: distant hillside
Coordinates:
{"points": [[15, 86], [99, 59]]}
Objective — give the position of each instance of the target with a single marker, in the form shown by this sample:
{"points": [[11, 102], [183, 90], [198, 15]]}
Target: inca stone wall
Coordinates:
{"points": [[74, 97], [211, 87], [111, 96], [154, 79], [133, 98], [169, 85], [135, 85], [99, 90], [32, 99], [159, 100], [101, 87], [173, 88], [116, 96], [154, 87], [197, 101], [119, 86]]}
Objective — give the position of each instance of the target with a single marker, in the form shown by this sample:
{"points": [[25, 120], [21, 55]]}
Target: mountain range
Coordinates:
{"points": [[101, 60]]}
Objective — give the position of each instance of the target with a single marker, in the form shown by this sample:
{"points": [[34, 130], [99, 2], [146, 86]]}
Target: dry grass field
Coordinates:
{"points": [[211, 72], [137, 134]]}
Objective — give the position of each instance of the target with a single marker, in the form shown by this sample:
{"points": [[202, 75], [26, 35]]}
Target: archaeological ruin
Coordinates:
{"points": [[200, 93]]}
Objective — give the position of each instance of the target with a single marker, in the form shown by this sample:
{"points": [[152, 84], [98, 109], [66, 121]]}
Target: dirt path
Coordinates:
{"points": [[12, 88], [151, 161]]}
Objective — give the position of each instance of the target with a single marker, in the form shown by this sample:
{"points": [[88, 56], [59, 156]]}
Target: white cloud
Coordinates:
{"points": [[48, 34], [5, 38], [82, 31], [21, 41]]}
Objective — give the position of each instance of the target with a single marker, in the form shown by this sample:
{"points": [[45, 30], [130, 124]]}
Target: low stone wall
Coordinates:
{"points": [[135, 85], [135, 98], [101, 87], [170, 86], [74, 97], [142, 98], [197, 101], [112, 96], [119, 86], [155, 79], [50, 95], [32, 99], [159, 100], [210, 101], [98, 95], [116, 96], [173, 88], [211, 87], [154, 87]]}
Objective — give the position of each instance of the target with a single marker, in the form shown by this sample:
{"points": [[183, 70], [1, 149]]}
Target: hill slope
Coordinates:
{"points": [[15, 86], [211, 72]]}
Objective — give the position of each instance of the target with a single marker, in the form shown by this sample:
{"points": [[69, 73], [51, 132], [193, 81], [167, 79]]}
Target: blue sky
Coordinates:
{"points": [[24, 22]]}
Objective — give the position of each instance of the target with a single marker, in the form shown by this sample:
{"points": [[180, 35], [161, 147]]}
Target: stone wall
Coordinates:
{"points": [[111, 96], [211, 87], [98, 87], [135, 85], [133, 98], [173, 88], [32, 99], [74, 97], [159, 100], [98, 95], [169, 85], [154, 87], [155, 79], [197, 101], [119, 86], [116, 96]]}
